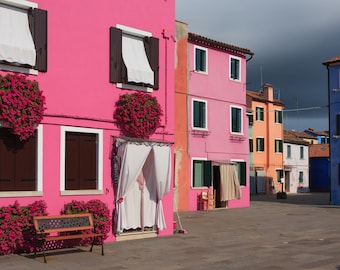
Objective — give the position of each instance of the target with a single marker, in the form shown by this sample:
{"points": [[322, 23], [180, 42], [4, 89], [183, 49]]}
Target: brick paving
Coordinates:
{"points": [[301, 232]]}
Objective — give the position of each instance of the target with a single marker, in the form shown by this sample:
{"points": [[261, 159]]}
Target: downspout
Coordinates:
{"points": [[330, 139], [166, 38]]}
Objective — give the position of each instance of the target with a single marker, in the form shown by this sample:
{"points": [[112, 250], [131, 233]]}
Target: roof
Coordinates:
{"points": [[317, 133], [204, 41], [332, 61], [257, 96], [319, 150], [296, 137]]}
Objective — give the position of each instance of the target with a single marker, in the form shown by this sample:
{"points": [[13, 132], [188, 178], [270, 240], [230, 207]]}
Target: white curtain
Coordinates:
{"points": [[162, 158], [136, 61], [230, 184], [133, 158], [16, 42], [144, 180]]}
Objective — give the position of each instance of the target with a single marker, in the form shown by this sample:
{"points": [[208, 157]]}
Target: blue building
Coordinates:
{"points": [[322, 136], [333, 68]]}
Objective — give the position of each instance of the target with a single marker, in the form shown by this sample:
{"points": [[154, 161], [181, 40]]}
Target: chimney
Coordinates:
{"points": [[268, 91]]}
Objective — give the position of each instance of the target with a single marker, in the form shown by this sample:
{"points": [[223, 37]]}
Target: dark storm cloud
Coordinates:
{"points": [[290, 40]]}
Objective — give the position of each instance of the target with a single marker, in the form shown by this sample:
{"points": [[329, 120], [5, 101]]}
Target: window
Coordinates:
{"points": [[300, 177], [23, 32], [134, 59], [21, 163], [278, 116], [81, 160], [199, 114], [241, 169], [251, 145], [338, 124], [301, 153], [201, 57], [235, 68], [259, 144], [279, 174], [289, 151], [278, 146], [259, 114], [202, 173], [236, 120]]}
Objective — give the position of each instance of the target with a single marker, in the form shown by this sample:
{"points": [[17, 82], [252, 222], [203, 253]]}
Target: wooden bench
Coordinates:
{"points": [[63, 227]]}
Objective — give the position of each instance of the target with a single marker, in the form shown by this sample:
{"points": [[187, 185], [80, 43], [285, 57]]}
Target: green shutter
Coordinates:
{"points": [[243, 173], [207, 168]]}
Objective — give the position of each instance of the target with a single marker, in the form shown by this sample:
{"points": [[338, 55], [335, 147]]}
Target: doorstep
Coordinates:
{"points": [[135, 235]]}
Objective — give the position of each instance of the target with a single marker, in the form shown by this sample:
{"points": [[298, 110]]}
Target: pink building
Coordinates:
{"points": [[84, 57], [218, 126]]}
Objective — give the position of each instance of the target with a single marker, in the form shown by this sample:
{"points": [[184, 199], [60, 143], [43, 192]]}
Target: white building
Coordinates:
{"points": [[296, 162]]}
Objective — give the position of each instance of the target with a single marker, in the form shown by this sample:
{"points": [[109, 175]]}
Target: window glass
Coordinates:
{"points": [[278, 116], [200, 59], [289, 151], [241, 172], [199, 114], [236, 120], [301, 152], [251, 145], [202, 173], [300, 177], [259, 144], [259, 114], [278, 146], [234, 68]]}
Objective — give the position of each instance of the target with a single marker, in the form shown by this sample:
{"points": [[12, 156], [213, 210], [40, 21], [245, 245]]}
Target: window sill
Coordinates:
{"points": [[200, 132], [134, 87], [18, 69], [81, 192], [8, 194]]}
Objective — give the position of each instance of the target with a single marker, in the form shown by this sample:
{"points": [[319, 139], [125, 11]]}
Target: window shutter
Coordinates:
{"points": [[151, 45], [243, 174], [38, 26], [196, 114], [118, 71], [207, 173], [237, 69]]}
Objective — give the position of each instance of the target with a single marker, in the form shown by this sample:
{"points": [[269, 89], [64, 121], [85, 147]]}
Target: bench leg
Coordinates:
{"points": [[102, 249]]}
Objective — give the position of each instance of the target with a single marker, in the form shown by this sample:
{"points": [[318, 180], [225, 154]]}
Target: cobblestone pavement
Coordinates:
{"points": [[301, 232]]}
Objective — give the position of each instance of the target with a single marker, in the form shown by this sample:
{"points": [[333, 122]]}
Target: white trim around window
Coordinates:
{"points": [[204, 120], [235, 75], [239, 125], [99, 133], [203, 70]]}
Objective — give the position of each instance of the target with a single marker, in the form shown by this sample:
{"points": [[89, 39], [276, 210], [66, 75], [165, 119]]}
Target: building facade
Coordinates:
{"points": [[216, 123], [85, 58], [333, 68], [267, 140]]}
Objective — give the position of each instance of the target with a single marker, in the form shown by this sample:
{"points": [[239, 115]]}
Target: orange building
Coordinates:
{"points": [[266, 141], [182, 165]]}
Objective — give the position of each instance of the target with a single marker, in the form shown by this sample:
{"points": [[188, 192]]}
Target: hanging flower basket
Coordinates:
{"points": [[138, 114], [21, 104]]}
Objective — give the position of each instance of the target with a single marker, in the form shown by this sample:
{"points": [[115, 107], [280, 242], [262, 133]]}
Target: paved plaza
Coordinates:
{"points": [[301, 232]]}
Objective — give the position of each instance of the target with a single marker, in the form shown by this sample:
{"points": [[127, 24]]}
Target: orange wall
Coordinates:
{"points": [[182, 178]]}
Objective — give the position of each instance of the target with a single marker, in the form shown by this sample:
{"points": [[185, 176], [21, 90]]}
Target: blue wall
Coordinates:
{"points": [[319, 180]]}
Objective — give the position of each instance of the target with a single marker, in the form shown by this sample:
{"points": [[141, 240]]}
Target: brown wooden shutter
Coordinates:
{"points": [[7, 161], [71, 161], [118, 72], [88, 161], [38, 26], [151, 46]]}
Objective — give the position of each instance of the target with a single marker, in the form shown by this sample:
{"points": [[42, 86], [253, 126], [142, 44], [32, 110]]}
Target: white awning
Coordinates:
{"points": [[136, 61], [16, 42]]}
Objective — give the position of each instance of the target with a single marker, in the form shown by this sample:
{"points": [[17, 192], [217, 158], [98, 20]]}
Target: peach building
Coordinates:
{"points": [[266, 143]]}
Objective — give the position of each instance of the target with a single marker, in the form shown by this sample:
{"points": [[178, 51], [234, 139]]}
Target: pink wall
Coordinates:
{"points": [[77, 85], [220, 93]]}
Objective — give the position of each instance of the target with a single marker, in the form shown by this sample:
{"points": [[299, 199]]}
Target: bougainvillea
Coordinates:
{"points": [[22, 104], [138, 114], [100, 213], [16, 226]]}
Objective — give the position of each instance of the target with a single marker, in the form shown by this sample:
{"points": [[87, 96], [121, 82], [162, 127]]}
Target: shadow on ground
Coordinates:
{"points": [[298, 198]]}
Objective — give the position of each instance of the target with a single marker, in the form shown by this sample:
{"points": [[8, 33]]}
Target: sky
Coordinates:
{"points": [[290, 40]]}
